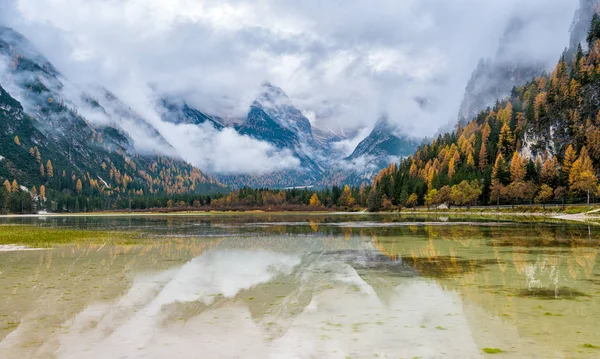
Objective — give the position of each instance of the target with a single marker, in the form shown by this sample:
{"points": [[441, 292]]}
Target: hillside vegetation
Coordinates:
{"points": [[541, 144]]}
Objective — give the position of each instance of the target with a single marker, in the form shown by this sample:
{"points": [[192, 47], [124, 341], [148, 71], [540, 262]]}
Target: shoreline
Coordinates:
{"points": [[561, 215]]}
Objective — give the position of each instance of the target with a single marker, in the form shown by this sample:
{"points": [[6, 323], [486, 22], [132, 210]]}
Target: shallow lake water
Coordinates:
{"points": [[305, 286]]}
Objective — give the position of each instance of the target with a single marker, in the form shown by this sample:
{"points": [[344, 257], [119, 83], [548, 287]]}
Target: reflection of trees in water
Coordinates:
{"points": [[441, 248]]}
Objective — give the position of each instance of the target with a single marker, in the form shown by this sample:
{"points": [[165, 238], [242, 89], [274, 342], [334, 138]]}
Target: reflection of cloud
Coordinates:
{"points": [[345, 317]]}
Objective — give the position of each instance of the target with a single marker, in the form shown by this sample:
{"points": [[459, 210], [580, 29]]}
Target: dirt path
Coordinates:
{"points": [[579, 217]]}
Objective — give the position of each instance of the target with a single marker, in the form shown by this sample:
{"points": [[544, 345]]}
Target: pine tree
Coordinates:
{"points": [[594, 33], [506, 141]]}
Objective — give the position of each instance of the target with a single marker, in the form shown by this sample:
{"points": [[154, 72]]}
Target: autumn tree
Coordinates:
{"points": [[412, 200], [431, 198], [466, 193], [7, 186], [49, 169], [483, 156], [518, 168], [314, 201], [14, 186], [560, 194], [496, 191], [570, 157], [451, 168], [500, 171], [17, 142], [550, 170], [544, 195], [582, 177], [79, 186], [346, 199], [444, 196]]}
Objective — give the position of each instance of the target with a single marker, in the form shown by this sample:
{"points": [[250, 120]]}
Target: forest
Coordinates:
{"points": [[539, 145]]}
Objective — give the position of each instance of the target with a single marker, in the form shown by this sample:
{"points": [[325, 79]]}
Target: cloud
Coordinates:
{"points": [[348, 63]]}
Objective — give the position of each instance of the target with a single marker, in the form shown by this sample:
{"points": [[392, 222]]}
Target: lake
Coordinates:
{"points": [[305, 286]]}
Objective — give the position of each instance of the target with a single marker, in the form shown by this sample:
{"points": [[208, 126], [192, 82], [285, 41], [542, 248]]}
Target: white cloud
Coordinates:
{"points": [[352, 62]]}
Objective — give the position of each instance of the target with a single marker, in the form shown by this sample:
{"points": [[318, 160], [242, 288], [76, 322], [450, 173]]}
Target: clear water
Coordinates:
{"points": [[306, 286]]}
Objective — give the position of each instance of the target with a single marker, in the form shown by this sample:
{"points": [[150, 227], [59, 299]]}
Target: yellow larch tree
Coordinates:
{"points": [[7, 186], [582, 177], [314, 201], [518, 168], [570, 157], [49, 169]]}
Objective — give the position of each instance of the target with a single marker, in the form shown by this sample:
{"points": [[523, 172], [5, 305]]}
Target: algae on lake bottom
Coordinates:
{"points": [[42, 237]]}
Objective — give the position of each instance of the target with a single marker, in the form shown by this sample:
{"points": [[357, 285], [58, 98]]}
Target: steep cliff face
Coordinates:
{"points": [[494, 78], [581, 22]]}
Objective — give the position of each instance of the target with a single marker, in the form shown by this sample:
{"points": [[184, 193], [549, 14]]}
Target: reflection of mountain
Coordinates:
{"points": [[268, 282]]}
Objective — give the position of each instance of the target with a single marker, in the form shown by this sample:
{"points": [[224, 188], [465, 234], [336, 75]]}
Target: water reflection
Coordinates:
{"points": [[311, 287]]}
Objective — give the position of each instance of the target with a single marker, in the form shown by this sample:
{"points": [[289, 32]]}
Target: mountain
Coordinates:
{"points": [[47, 141], [385, 144], [493, 79], [381, 147], [581, 23], [177, 111], [274, 119], [541, 143], [69, 115]]}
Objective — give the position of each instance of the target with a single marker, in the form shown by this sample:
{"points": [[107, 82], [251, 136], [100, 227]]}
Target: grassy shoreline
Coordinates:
{"points": [[490, 210]]}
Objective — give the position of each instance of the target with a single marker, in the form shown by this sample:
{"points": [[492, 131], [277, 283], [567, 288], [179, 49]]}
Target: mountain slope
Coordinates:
{"points": [[494, 79], [177, 111], [542, 143], [42, 128], [384, 144]]}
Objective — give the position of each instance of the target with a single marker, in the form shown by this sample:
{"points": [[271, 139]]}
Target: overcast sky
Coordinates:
{"points": [[343, 62]]}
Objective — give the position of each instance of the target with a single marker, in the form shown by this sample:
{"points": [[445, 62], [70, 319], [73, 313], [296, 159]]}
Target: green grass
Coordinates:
{"points": [[41, 237], [492, 350]]}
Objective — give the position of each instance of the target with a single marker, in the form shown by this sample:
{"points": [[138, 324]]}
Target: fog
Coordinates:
{"points": [[342, 65]]}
